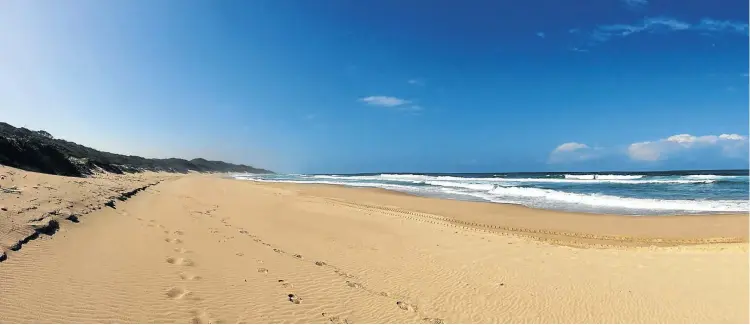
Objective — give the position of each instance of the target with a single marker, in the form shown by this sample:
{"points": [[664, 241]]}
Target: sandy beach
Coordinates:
{"points": [[167, 248]]}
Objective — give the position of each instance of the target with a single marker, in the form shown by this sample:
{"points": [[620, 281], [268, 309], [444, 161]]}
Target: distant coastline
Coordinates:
{"points": [[39, 151]]}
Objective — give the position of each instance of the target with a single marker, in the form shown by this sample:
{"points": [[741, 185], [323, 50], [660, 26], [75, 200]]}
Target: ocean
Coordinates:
{"points": [[628, 193]]}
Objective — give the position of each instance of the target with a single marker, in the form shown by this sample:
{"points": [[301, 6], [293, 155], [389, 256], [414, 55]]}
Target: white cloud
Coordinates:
{"points": [[570, 146], [647, 151], [730, 144], [385, 101], [573, 151], [604, 33], [735, 137], [540, 34]]}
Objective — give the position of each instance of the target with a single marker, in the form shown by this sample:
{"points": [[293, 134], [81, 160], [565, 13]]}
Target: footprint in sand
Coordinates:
{"points": [[178, 232], [298, 256], [191, 277], [173, 240], [177, 293], [406, 306], [335, 319], [182, 250], [278, 250], [344, 274], [433, 320], [180, 261], [244, 232], [202, 317], [319, 263], [354, 284], [263, 270], [240, 254], [285, 284]]}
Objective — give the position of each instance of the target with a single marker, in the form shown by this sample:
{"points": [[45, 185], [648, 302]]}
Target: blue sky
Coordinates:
{"points": [[393, 85]]}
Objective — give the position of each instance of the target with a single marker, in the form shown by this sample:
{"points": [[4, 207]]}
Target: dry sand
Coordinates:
{"points": [[200, 248]]}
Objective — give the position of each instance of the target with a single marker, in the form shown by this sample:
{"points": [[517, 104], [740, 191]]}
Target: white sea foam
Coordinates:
{"points": [[603, 177], [713, 177], [557, 200], [610, 181], [599, 200], [471, 186]]}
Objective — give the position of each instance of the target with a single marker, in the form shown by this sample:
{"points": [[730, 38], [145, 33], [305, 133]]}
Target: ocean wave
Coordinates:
{"points": [[611, 181], [603, 177], [610, 201], [558, 200], [470, 186], [714, 177]]}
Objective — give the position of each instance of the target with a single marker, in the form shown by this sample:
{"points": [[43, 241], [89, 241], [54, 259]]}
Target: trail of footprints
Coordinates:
{"points": [[401, 303], [178, 293]]}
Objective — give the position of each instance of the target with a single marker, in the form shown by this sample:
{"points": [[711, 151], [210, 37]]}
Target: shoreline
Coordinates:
{"points": [[559, 227], [699, 214], [638, 195]]}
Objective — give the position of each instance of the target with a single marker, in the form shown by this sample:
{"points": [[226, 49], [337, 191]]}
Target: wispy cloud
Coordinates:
{"points": [[540, 34], [708, 24], [573, 151], [635, 4], [731, 145], [578, 49], [385, 101], [604, 33], [415, 82]]}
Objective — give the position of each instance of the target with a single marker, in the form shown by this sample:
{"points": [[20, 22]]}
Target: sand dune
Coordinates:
{"points": [[205, 249]]}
